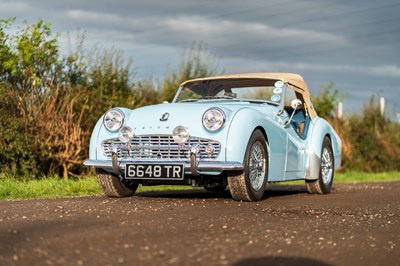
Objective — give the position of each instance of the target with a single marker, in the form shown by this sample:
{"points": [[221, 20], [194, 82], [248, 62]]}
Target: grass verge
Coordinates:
{"points": [[356, 177], [11, 189], [54, 187]]}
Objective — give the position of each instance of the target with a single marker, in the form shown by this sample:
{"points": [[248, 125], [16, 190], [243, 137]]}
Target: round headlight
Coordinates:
{"points": [[180, 134], [125, 134], [113, 119], [213, 119]]}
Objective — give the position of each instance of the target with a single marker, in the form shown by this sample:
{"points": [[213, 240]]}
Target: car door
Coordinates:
{"points": [[295, 145]]}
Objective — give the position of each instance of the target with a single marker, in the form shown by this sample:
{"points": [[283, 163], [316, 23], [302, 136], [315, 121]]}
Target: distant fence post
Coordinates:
{"points": [[382, 105], [340, 110]]}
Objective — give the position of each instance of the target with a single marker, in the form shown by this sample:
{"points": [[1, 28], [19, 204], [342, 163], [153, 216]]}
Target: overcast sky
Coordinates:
{"points": [[355, 44]]}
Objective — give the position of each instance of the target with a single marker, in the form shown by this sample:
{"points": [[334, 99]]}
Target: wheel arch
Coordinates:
{"points": [[239, 135], [321, 129], [264, 133]]}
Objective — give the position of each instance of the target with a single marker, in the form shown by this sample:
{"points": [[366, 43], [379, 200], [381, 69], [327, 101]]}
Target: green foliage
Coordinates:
{"points": [[45, 115], [15, 156], [5, 53], [326, 100], [196, 62], [355, 176], [11, 189], [30, 58], [49, 103], [106, 83], [53, 187], [375, 141], [145, 93]]}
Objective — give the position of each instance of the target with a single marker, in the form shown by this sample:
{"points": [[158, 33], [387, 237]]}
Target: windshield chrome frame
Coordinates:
{"points": [[281, 105], [177, 94]]}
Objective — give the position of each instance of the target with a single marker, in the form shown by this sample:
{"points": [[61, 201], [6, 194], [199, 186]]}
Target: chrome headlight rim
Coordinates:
{"points": [[119, 124], [222, 116]]}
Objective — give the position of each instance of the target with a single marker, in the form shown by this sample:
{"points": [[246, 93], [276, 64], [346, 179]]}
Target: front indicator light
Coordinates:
{"points": [[210, 149]]}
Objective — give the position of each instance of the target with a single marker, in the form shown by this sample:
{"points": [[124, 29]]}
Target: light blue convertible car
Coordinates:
{"points": [[237, 131]]}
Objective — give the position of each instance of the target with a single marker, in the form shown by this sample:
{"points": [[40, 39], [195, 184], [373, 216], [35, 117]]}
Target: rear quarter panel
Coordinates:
{"points": [[319, 129]]}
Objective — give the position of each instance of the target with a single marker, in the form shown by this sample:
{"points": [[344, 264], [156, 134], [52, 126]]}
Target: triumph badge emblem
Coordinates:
{"points": [[164, 117]]}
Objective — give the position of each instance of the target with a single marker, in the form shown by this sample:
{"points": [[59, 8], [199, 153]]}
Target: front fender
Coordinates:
{"points": [[242, 125], [94, 138], [100, 132]]}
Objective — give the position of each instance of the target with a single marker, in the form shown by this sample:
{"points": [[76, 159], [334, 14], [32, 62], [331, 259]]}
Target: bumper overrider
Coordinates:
{"points": [[194, 166]]}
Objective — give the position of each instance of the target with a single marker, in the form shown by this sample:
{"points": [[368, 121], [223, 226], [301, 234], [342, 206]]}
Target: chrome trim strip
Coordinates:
{"points": [[201, 165]]}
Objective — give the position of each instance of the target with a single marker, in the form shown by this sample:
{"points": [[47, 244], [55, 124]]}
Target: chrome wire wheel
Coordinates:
{"points": [[326, 166], [249, 184], [257, 166]]}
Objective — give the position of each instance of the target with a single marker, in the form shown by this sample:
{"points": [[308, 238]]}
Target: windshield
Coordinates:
{"points": [[255, 90]]}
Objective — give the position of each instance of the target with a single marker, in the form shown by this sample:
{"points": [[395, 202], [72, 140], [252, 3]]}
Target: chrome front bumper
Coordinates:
{"points": [[194, 167]]}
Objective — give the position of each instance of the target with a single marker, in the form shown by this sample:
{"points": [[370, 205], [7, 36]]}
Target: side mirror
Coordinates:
{"points": [[296, 103]]}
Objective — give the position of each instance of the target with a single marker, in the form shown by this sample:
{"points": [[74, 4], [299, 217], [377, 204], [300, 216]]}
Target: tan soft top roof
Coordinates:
{"points": [[295, 81]]}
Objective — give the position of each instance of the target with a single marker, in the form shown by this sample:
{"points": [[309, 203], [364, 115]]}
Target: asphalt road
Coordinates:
{"points": [[357, 224]]}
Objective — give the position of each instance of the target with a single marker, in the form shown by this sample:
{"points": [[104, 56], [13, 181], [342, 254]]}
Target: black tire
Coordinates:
{"points": [[324, 182], [249, 184], [113, 187]]}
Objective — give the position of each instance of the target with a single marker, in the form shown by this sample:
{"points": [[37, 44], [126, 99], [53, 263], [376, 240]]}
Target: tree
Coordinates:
{"points": [[196, 62], [326, 100], [44, 112]]}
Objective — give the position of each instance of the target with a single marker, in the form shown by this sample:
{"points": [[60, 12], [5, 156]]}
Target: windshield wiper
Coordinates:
{"points": [[216, 97], [189, 100]]}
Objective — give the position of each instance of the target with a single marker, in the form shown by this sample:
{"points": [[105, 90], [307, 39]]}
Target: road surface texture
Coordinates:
{"points": [[357, 224]]}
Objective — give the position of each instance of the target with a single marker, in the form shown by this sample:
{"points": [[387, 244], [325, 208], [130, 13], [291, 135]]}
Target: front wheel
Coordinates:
{"points": [[249, 184], [324, 182], [113, 187]]}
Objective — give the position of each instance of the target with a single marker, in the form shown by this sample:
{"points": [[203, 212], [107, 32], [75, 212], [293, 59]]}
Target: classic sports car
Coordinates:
{"points": [[240, 131]]}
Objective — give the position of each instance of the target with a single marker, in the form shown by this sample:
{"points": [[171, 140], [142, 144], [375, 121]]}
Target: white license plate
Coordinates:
{"points": [[154, 171]]}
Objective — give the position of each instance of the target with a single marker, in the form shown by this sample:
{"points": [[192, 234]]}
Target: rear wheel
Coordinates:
{"points": [[249, 184], [112, 186], [324, 182]]}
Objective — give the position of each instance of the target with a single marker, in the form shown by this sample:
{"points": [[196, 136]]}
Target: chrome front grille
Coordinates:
{"points": [[158, 147]]}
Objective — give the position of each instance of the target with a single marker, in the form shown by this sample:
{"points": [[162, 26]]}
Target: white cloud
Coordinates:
{"points": [[322, 44], [93, 17], [230, 31], [13, 7], [386, 71]]}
